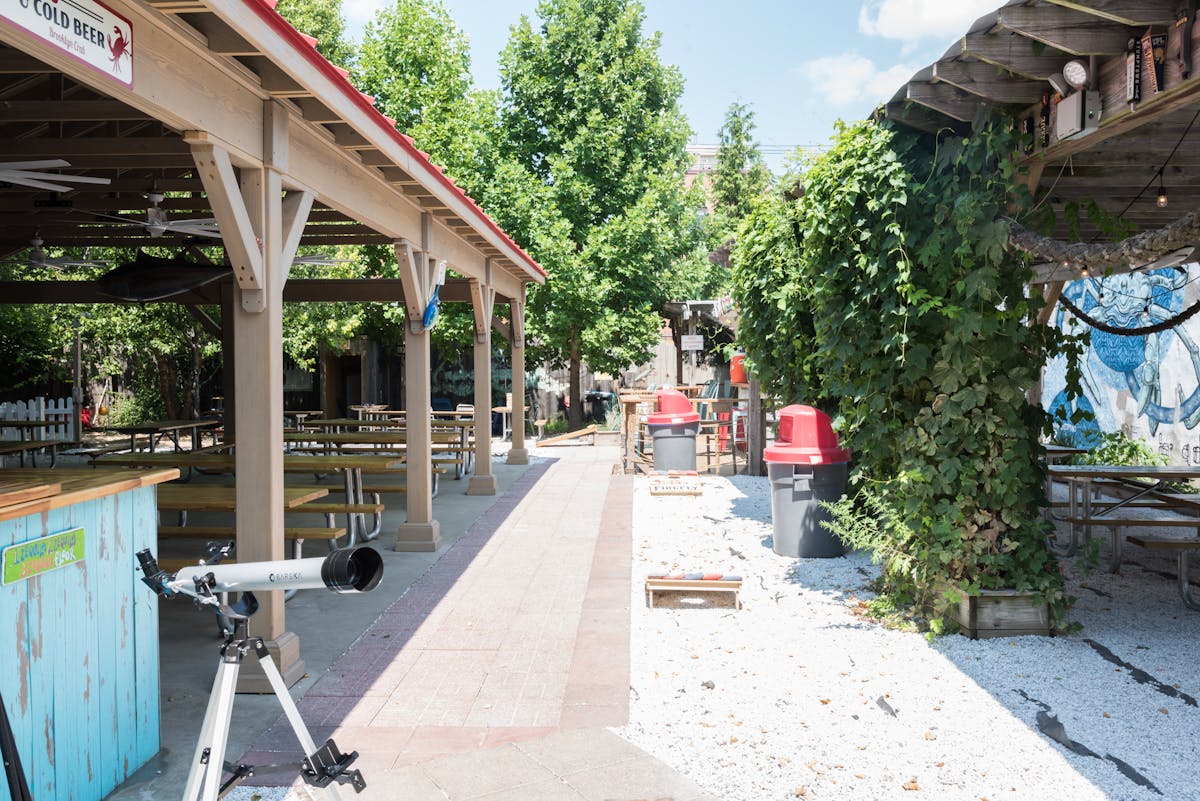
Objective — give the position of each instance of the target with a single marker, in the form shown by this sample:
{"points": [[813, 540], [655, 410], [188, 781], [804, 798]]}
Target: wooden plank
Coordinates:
{"points": [[1065, 29], [18, 491], [1164, 543], [79, 485], [213, 498], [583, 432], [1014, 53], [1136, 13]]}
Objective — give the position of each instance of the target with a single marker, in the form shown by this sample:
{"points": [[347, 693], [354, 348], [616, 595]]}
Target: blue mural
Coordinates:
{"points": [[1144, 366]]}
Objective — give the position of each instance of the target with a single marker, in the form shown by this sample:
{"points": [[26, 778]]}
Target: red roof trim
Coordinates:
{"points": [[266, 10]]}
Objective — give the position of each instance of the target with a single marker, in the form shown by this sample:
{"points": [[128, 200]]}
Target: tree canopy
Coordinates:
{"points": [[593, 143]]}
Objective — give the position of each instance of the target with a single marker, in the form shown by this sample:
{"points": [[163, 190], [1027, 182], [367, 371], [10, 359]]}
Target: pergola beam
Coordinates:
{"points": [[1065, 29], [945, 99], [1135, 13], [988, 82], [1015, 53]]}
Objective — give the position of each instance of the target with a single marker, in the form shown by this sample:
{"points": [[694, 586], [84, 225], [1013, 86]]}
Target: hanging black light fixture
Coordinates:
{"points": [[1162, 190]]}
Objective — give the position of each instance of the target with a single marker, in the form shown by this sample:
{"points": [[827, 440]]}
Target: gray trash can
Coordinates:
{"points": [[805, 467], [673, 430]]}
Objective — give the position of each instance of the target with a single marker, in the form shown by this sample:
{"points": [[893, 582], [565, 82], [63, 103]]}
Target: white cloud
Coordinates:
{"points": [[910, 20], [850, 79]]}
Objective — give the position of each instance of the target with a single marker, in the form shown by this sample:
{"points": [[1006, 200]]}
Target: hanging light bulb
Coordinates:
{"points": [[1162, 196], [1101, 297], [1084, 271]]}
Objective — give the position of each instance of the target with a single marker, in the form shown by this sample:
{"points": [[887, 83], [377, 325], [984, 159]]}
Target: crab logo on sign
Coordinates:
{"points": [[86, 30]]}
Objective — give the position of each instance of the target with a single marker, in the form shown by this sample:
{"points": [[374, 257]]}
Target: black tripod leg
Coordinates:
{"points": [[18, 788]]}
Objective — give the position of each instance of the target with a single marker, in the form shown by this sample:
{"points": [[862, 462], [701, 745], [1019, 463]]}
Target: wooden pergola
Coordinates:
{"points": [[1125, 127], [232, 113]]}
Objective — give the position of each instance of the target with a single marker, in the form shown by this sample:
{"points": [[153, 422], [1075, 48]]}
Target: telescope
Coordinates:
{"points": [[348, 570]]}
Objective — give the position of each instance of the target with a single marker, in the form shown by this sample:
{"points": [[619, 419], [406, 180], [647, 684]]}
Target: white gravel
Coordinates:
{"points": [[799, 682]]}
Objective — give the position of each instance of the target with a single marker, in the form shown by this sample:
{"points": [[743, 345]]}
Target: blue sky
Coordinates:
{"points": [[800, 65]]}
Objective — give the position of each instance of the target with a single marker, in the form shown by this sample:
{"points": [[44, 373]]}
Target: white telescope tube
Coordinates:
{"points": [[344, 571]]}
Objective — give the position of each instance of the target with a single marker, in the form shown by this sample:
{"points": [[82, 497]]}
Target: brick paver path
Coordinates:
{"points": [[520, 629]]}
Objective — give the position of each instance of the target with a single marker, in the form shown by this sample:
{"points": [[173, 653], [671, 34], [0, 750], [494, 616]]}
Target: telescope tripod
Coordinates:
{"points": [[325, 767]]}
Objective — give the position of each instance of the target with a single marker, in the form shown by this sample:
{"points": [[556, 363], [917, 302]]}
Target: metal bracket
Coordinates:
{"points": [[328, 765]]}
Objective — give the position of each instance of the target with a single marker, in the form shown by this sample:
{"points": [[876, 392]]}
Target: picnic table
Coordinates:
{"points": [[451, 437], [223, 498], [155, 430], [1144, 487], [352, 467], [25, 442]]}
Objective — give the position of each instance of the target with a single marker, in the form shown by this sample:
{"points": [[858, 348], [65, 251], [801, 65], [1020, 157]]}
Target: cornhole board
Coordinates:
{"points": [[695, 583], [676, 482]]}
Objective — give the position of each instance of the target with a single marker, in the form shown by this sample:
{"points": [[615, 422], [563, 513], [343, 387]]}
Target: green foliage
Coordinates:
{"points": [[921, 345], [775, 324], [1120, 448], [741, 177], [321, 19], [417, 64], [589, 180]]}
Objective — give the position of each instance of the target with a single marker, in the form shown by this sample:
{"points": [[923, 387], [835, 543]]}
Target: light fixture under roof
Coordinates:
{"points": [[1076, 73]]}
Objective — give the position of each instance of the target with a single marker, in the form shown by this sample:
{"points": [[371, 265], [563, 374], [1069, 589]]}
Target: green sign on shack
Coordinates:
{"points": [[27, 559]]}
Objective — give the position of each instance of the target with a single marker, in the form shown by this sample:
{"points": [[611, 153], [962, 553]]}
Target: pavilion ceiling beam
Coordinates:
{"points": [[315, 111], [1135, 13], [920, 117], [1015, 53], [118, 146], [14, 62], [1065, 29], [74, 111], [945, 99], [988, 82]]}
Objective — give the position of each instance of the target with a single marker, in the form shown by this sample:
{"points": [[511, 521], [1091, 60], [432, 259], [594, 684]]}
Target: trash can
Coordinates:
{"points": [[673, 430], [805, 467]]}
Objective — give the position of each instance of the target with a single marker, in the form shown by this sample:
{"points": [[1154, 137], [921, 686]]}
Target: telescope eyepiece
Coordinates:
{"points": [[352, 570]]}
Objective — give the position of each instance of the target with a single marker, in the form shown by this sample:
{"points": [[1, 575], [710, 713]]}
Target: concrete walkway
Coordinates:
{"points": [[495, 674]]}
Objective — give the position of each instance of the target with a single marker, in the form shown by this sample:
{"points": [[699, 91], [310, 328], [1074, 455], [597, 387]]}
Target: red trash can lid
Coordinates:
{"points": [[806, 436], [672, 418]]}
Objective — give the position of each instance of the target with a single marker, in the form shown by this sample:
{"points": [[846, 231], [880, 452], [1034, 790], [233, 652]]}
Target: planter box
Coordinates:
{"points": [[1003, 613]]}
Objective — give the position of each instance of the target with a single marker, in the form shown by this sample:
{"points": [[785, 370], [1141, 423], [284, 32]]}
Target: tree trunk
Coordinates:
{"points": [[574, 394], [168, 382]]}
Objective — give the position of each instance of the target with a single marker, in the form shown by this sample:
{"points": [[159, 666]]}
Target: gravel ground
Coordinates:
{"points": [[798, 695]]}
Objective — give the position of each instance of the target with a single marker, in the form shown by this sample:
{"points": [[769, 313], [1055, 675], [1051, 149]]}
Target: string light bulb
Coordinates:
{"points": [[1162, 196], [1083, 271]]}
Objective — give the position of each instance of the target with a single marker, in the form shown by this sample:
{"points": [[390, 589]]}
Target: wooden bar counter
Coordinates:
{"points": [[82, 654]]}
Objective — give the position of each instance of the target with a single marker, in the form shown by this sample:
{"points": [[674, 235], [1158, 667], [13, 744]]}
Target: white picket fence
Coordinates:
{"points": [[59, 412]]}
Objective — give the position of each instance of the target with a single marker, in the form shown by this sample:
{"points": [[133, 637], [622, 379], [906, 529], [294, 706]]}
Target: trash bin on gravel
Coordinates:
{"points": [[805, 467], [673, 429]]}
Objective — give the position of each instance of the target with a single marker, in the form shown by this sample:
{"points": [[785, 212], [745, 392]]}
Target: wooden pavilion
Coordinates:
{"points": [[1108, 91], [229, 112]]}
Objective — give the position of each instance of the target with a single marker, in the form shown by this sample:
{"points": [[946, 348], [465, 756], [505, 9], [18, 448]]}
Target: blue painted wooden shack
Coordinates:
{"points": [[79, 668]]}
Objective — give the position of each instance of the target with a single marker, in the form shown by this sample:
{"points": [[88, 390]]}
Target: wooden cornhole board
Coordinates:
{"points": [[676, 482], [710, 589]]}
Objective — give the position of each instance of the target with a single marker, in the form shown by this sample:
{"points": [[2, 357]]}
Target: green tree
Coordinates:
{"points": [[417, 64], [740, 176], [593, 185], [323, 20]]}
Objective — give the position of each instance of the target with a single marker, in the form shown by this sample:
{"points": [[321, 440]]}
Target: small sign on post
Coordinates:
{"points": [[692, 341], [28, 559]]}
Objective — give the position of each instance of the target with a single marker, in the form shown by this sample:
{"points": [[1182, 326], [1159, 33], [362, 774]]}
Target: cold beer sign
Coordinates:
{"points": [[85, 29]]}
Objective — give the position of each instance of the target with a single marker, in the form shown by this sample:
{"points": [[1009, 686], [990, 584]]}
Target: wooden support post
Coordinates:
{"points": [[420, 532], [483, 302], [518, 453], [756, 431]]}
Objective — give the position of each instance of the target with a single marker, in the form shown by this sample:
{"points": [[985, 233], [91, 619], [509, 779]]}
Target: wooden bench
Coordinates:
{"points": [[22, 447], [1117, 526], [294, 534], [1184, 549]]}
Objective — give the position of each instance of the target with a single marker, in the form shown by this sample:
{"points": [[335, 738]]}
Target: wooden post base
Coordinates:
{"points": [[424, 537]]}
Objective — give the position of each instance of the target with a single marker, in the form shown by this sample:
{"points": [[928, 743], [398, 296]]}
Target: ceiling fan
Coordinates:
{"points": [[33, 174], [157, 223], [37, 258]]}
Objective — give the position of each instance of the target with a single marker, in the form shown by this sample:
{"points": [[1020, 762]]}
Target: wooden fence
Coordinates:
{"points": [[59, 412]]}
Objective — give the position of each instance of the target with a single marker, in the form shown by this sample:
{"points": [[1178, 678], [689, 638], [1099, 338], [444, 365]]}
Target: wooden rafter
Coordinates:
{"points": [[1065, 29]]}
